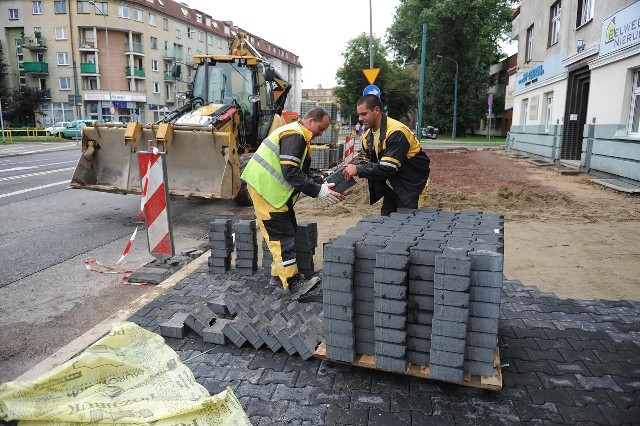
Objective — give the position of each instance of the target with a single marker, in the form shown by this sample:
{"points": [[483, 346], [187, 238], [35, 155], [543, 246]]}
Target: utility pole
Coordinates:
{"points": [[423, 66]]}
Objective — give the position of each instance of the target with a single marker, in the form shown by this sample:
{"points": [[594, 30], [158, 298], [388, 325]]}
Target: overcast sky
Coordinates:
{"points": [[316, 31]]}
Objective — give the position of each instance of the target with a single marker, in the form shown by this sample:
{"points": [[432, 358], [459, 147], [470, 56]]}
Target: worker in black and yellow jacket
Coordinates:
{"points": [[276, 175], [397, 169]]}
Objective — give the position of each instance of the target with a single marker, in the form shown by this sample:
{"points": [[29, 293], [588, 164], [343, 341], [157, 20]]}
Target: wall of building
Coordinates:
{"points": [[607, 144], [112, 63]]}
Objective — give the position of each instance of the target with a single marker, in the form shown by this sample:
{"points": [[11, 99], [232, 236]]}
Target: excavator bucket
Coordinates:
{"points": [[201, 162]]}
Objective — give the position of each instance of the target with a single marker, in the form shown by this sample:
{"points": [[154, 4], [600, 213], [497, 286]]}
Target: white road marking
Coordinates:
{"points": [[48, 172], [15, 169], [22, 191]]}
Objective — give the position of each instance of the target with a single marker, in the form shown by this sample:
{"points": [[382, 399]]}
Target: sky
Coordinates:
{"points": [[316, 31]]}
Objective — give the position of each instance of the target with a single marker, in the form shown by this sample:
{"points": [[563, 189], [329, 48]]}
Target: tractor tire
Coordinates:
{"points": [[243, 199]]}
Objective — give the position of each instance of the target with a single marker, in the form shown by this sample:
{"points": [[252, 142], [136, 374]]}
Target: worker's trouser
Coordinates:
{"points": [[278, 226], [391, 203]]}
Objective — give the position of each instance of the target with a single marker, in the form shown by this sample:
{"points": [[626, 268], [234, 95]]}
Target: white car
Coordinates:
{"points": [[57, 126]]}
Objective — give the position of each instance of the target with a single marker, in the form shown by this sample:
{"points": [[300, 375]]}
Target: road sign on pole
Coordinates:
{"points": [[371, 90], [371, 74]]}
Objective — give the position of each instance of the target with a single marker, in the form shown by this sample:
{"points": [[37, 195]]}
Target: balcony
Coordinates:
{"points": [[168, 76], [33, 43], [36, 67], [136, 48], [88, 68], [46, 93], [88, 45], [137, 72], [173, 55]]}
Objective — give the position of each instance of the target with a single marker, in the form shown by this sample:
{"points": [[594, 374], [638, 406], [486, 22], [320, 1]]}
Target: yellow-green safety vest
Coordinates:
{"points": [[264, 173]]}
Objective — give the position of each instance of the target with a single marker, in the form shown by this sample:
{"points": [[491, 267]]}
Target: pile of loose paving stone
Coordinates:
{"points": [[420, 287], [240, 314]]}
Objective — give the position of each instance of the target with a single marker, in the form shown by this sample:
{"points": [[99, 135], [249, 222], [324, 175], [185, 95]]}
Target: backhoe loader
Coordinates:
{"points": [[235, 102]]}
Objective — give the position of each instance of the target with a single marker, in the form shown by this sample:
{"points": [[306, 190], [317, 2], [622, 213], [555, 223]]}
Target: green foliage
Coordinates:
{"points": [[351, 81], [467, 31], [21, 106]]}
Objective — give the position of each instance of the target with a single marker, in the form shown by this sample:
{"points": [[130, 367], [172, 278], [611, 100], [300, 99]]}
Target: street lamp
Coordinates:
{"points": [[455, 96], [106, 35]]}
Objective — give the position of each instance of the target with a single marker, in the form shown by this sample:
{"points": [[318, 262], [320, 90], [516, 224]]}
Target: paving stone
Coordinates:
{"points": [[174, 327], [382, 418]]}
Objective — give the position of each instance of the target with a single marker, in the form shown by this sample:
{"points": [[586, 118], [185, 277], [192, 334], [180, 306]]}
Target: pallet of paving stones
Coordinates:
{"points": [[493, 382], [417, 288]]}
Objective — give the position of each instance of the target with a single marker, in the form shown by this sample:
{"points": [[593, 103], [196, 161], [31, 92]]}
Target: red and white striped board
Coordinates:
{"points": [[349, 145], [155, 202]]}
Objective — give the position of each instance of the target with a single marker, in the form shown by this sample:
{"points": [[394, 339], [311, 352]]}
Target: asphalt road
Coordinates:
{"points": [[47, 230]]}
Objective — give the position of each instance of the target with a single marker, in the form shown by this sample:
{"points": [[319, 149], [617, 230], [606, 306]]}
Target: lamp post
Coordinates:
{"points": [[455, 96], [106, 35]]}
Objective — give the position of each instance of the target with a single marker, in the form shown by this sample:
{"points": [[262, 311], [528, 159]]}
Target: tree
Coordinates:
{"points": [[23, 105], [391, 79], [465, 31]]}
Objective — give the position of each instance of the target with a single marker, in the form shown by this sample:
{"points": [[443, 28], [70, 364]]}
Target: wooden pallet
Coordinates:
{"points": [[369, 361]]}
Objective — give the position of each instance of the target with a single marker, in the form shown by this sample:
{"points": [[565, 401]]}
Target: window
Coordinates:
{"points": [[65, 83], [152, 19], [156, 87], [554, 23], [167, 90], [178, 33], [524, 114], [210, 39], [137, 15], [60, 6], [102, 8], [585, 12], [123, 12], [83, 6], [154, 42], [36, 6], [165, 24], [634, 112], [190, 32], [548, 112], [208, 21], [199, 19], [529, 48], [154, 65], [63, 58], [200, 36], [61, 33], [13, 14]]}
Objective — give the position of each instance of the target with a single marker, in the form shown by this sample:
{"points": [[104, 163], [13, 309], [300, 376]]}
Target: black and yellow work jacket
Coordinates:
{"points": [[400, 161]]}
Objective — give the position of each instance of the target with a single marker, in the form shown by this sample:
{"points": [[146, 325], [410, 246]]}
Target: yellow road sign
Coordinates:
{"points": [[371, 74]]}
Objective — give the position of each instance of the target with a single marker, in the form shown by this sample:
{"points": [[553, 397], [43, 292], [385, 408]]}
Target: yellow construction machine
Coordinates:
{"points": [[235, 101]]}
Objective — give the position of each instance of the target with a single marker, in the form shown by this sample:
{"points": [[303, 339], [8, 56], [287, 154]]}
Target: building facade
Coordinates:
{"points": [[576, 90], [113, 61]]}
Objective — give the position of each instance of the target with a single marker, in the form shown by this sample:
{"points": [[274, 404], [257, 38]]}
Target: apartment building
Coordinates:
{"points": [[577, 86], [113, 61]]}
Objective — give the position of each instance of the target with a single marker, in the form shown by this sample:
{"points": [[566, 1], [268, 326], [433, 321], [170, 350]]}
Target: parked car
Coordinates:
{"points": [[57, 126], [429, 132], [73, 130]]}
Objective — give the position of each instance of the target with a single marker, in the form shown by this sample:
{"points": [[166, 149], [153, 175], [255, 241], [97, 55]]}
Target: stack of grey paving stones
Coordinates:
{"points": [[421, 287], [221, 242], [306, 243], [246, 244], [267, 259]]}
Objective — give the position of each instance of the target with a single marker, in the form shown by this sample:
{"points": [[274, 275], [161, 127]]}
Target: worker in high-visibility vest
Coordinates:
{"points": [[276, 175]]}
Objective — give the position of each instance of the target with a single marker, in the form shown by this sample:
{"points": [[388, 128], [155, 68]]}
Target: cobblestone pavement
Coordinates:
{"points": [[564, 361]]}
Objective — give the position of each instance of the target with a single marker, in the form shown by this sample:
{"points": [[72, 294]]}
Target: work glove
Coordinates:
{"points": [[327, 195]]}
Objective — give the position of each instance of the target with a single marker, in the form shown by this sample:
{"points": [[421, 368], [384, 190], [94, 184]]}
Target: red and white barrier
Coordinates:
{"points": [[155, 203], [349, 146]]}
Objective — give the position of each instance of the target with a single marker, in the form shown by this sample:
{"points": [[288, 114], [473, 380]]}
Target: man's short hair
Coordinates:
{"points": [[371, 101], [316, 114]]}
